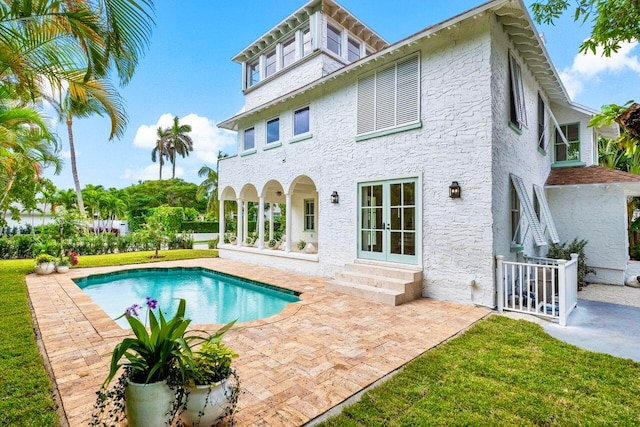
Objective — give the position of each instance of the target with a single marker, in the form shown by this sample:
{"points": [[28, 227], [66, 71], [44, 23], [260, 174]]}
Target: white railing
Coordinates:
{"points": [[541, 286]]}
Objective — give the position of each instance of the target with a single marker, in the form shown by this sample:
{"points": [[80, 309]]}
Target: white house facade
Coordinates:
{"points": [[365, 143]]}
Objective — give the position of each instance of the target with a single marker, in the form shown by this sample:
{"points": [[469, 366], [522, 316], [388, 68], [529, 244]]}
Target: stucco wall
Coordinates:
{"points": [[453, 144], [597, 213]]}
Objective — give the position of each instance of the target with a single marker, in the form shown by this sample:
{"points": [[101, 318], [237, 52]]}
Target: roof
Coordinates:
{"points": [[584, 175], [330, 8], [516, 22]]}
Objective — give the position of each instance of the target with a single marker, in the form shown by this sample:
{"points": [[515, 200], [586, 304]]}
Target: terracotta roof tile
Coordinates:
{"points": [[589, 175]]}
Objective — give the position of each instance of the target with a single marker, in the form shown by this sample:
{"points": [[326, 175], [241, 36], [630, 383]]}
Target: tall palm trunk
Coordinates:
{"points": [[74, 169], [161, 162], [173, 175]]}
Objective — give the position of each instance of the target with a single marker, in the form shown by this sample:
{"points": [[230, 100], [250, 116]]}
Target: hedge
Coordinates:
{"points": [[201, 226]]}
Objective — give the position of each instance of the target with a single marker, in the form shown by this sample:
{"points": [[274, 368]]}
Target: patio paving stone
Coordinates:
{"points": [[293, 366]]}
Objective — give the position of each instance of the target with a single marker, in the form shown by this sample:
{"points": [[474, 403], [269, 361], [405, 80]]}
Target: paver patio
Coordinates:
{"points": [[293, 366]]}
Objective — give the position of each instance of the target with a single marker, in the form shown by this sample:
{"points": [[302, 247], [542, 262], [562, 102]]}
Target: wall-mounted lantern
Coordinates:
{"points": [[334, 197], [454, 190]]}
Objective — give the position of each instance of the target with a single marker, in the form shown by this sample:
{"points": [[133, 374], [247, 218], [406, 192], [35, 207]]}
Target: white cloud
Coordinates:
{"points": [[590, 66], [207, 137], [66, 154], [151, 172]]}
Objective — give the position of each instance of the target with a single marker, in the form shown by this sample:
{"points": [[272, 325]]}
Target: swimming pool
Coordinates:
{"points": [[212, 297]]}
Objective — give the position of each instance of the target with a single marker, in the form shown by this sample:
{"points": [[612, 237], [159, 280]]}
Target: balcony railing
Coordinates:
{"points": [[541, 286]]}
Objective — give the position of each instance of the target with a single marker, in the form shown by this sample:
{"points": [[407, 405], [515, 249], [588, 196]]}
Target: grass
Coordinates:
{"points": [[504, 372], [25, 390]]}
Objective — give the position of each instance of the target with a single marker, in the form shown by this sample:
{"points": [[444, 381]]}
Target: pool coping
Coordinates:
{"points": [[294, 366]]}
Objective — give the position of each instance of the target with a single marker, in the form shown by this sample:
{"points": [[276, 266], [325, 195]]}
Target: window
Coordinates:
{"points": [[249, 142], [306, 43], [334, 40], [253, 73], [309, 215], [518, 112], [516, 239], [270, 64], [570, 153], [542, 143], [301, 121], [273, 130], [353, 50], [390, 97], [288, 52]]}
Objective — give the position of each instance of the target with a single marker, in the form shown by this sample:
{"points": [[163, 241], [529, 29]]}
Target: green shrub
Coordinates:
{"points": [[201, 226], [564, 251], [301, 245], [213, 244]]}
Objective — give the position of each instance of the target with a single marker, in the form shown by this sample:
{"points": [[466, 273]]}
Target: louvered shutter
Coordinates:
{"points": [[385, 98], [366, 104], [518, 91], [529, 212], [545, 212], [408, 88]]}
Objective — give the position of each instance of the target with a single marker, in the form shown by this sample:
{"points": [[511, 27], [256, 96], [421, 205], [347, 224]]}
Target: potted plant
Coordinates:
{"points": [[301, 245], [45, 264], [211, 394], [63, 265], [272, 243]]}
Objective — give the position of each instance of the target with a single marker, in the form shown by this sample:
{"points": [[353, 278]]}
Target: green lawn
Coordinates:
{"points": [[504, 372], [25, 392]]}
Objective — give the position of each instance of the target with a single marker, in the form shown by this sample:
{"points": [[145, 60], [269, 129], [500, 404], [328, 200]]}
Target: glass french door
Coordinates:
{"points": [[388, 218]]}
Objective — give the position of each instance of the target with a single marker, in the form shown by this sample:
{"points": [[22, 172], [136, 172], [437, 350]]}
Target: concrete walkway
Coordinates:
{"points": [[293, 366]]}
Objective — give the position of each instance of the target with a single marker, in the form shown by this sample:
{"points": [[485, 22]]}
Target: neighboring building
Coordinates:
{"points": [[362, 140]]}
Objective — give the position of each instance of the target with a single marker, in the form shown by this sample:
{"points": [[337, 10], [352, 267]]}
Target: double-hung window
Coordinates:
{"points": [[542, 124], [306, 43], [273, 130], [288, 52], [309, 215], [253, 73], [270, 64], [334, 40], [571, 152], [389, 97], [353, 50], [516, 233], [301, 121], [517, 107], [249, 142]]}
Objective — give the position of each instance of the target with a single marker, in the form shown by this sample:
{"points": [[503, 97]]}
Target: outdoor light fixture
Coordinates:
{"points": [[334, 197], [454, 190]]}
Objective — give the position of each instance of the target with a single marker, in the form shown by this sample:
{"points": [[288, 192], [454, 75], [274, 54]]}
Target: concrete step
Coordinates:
{"points": [[372, 280], [410, 274], [371, 293]]}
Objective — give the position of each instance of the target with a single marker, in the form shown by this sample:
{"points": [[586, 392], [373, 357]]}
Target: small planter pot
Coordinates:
{"points": [[148, 404], [46, 268], [206, 404], [62, 268]]}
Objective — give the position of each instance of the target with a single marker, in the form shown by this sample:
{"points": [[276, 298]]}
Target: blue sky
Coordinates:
{"points": [[188, 73]]}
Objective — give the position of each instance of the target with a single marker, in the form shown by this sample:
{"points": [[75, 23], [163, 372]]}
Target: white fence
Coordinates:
{"points": [[541, 286]]}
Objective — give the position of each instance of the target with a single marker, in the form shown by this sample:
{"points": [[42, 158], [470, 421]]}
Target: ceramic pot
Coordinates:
{"points": [[148, 404], [46, 268], [62, 268], [206, 404]]}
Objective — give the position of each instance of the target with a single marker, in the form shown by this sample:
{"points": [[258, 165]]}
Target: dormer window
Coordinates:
{"points": [[334, 40], [253, 73], [353, 50], [270, 64]]}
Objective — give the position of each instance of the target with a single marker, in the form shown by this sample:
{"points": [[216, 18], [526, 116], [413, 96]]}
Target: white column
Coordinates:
{"points": [[245, 221], [239, 223], [271, 205], [287, 243], [261, 223], [221, 223]]}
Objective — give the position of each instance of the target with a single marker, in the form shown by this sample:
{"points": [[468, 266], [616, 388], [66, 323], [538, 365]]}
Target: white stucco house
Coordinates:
{"points": [[366, 142]]}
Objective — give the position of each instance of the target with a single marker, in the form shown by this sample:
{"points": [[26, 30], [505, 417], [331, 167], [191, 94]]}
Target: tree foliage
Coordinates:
{"points": [[613, 21]]}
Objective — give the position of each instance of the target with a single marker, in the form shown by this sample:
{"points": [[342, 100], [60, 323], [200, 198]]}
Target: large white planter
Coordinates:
{"points": [[148, 404], [46, 268], [62, 268], [206, 404]]}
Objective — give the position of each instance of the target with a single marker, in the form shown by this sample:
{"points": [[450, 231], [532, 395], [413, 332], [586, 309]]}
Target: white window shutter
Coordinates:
{"points": [[408, 90], [385, 98], [366, 104], [518, 91], [545, 213], [529, 212]]}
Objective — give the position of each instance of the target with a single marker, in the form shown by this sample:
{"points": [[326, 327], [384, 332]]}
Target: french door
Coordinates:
{"points": [[388, 213]]}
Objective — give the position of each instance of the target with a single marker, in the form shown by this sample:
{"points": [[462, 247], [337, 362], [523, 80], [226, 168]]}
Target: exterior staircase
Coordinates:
{"points": [[384, 284]]}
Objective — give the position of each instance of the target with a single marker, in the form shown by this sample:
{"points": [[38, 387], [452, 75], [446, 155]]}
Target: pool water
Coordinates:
{"points": [[212, 297]]}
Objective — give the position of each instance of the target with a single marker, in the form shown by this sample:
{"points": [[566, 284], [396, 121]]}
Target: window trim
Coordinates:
{"points": [[293, 122], [244, 139], [309, 215], [578, 161], [266, 129]]}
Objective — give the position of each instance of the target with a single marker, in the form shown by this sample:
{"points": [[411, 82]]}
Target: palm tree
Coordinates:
{"points": [[177, 142], [67, 198], [160, 152], [208, 189]]}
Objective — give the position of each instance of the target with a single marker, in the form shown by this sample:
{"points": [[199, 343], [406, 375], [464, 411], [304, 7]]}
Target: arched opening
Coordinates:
{"points": [[302, 215]]}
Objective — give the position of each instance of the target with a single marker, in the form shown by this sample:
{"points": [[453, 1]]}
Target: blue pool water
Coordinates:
{"points": [[212, 297]]}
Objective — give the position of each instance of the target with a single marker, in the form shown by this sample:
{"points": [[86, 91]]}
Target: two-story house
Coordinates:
{"points": [[426, 158]]}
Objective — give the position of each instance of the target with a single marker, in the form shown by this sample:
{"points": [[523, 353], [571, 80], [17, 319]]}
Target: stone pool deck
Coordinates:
{"points": [[293, 366]]}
